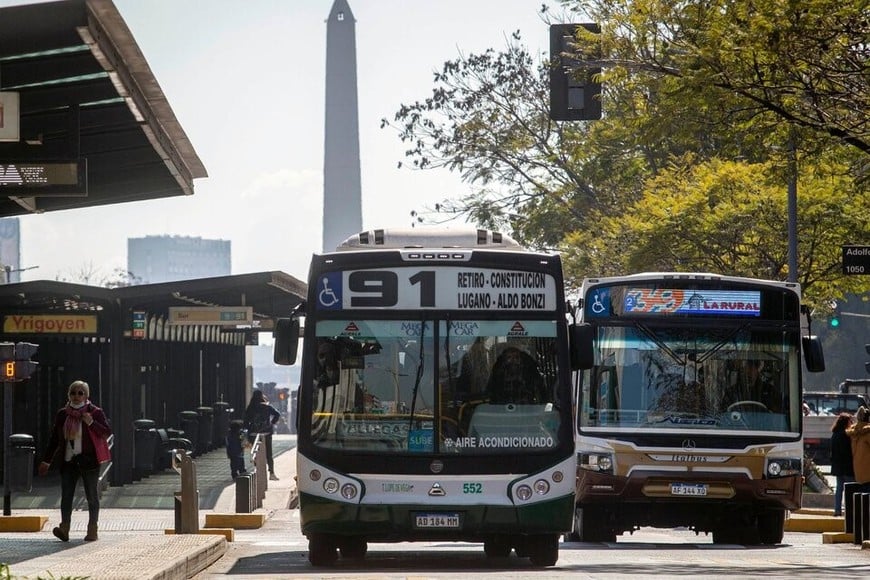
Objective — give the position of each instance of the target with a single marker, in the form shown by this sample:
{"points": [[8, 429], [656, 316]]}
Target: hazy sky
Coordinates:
{"points": [[245, 79]]}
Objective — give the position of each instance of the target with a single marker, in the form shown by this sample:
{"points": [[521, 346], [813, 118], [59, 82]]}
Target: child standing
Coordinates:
{"points": [[236, 447]]}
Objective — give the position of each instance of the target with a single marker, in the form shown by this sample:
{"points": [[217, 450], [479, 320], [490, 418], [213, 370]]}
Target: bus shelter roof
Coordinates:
{"points": [[271, 295], [86, 92]]}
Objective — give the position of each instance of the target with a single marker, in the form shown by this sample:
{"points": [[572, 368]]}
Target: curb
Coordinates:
{"points": [[140, 558], [22, 523], [799, 522], [235, 521]]}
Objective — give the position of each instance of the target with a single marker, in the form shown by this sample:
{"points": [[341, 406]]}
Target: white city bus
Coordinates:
{"points": [[691, 414], [405, 431]]}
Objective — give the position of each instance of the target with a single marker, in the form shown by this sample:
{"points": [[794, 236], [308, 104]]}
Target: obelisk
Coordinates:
{"points": [[342, 192]]}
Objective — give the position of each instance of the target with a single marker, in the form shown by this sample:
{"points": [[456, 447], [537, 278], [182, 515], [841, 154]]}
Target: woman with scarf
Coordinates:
{"points": [[79, 442]]}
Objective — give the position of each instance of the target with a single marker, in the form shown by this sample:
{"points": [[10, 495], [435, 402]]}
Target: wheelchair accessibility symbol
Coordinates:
{"points": [[329, 291]]}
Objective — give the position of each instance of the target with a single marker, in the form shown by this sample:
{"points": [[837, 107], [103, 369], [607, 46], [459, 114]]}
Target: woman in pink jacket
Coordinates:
{"points": [[79, 443]]}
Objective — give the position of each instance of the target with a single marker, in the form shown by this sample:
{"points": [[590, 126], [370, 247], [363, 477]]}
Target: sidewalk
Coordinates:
{"points": [[134, 518]]}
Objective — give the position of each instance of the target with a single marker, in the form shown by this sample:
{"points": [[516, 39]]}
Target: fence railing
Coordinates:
{"points": [[103, 480], [251, 486]]}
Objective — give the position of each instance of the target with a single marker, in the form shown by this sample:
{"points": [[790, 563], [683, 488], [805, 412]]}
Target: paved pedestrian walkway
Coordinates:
{"points": [[133, 522]]}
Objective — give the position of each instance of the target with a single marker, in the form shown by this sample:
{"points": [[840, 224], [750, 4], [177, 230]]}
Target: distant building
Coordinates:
{"points": [[10, 250], [155, 259]]}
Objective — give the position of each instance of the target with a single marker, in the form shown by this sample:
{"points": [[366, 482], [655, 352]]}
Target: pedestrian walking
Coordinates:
{"points": [[841, 458], [236, 447], [78, 444], [260, 419]]}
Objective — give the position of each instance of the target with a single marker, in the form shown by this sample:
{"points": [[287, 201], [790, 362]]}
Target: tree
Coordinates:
{"points": [[686, 85], [90, 274], [729, 217], [804, 62]]}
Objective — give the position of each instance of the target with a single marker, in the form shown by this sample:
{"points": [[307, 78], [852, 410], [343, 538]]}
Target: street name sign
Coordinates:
{"points": [[856, 260]]}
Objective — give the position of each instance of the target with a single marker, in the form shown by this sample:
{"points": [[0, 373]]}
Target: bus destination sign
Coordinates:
{"points": [[451, 288]]}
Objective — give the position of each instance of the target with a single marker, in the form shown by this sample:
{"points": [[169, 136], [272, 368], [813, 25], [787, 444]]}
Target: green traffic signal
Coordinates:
{"points": [[835, 322]]}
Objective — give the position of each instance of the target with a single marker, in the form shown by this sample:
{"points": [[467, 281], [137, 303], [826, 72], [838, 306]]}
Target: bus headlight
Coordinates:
{"points": [[783, 467], [541, 486], [330, 485], [601, 462], [348, 491], [524, 492]]}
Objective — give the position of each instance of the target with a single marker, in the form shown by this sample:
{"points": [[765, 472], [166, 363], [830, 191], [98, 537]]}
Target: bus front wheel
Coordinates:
{"points": [[322, 550], [353, 548], [497, 547], [544, 550], [591, 525], [771, 527]]}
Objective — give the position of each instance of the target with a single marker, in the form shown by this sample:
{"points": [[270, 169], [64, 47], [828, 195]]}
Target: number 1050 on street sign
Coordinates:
{"points": [[856, 260]]}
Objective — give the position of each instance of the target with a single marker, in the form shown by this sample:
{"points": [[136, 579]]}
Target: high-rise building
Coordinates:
{"points": [[10, 250], [342, 192], [155, 259]]}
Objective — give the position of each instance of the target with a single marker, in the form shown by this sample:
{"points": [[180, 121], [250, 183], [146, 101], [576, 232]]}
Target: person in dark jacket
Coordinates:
{"points": [[260, 418], [515, 379], [841, 458], [236, 448], [78, 443]]}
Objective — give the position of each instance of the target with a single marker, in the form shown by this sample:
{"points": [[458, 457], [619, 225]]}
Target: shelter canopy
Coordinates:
{"points": [[87, 93]]}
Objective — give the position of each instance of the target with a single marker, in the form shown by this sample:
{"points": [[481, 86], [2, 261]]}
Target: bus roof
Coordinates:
{"points": [[398, 238]]}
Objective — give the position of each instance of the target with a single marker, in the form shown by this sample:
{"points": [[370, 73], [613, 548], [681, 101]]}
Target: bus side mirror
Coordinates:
{"points": [[813, 355], [286, 335], [580, 339]]}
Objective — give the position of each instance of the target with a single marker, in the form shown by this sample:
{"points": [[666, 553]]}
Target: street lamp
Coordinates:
{"points": [[10, 269]]}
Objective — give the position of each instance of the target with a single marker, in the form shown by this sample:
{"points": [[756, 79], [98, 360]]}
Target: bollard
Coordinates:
{"points": [[261, 475], [187, 500], [858, 511], [862, 522], [243, 493], [252, 497], [849, 490]]}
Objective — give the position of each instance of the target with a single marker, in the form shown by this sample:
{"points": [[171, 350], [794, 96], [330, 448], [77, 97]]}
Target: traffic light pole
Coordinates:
{"points": [[16, 366], [7, 434]]}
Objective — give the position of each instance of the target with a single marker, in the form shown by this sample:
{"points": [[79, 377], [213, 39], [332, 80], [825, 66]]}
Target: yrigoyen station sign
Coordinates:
{"points": [[856, 260]]}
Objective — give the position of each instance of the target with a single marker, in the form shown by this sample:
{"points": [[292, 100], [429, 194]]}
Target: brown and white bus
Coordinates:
{"points": [[691, 414]]}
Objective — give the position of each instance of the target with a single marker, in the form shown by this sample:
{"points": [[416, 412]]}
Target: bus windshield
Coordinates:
{"points": [[459, 387], [734, 377]]}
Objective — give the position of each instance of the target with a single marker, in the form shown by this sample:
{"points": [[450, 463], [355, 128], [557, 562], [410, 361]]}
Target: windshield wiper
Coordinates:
{"points": [[719, 345], [650, 335]]}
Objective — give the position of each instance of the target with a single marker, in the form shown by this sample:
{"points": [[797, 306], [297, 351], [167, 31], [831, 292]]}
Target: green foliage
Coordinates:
{"points": [[6, 574], [729, 218], [688, 170], [754, 64]]}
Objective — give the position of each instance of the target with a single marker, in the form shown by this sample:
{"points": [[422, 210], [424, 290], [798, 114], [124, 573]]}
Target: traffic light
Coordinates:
{"points": [[15, 358], [574, 94], [835, 321]]}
